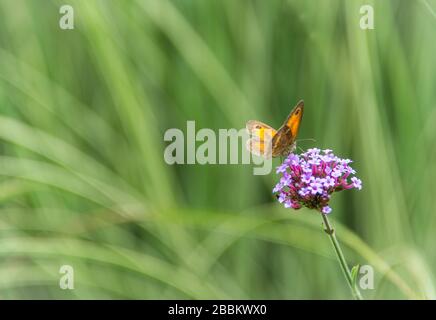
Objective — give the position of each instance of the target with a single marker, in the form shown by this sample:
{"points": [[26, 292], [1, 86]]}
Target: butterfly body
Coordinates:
{"points": [[266, 141]]}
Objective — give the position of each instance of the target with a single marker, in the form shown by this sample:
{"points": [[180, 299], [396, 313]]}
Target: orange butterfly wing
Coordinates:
{"points": [[260, 142], [284, 141], [294, 119]]}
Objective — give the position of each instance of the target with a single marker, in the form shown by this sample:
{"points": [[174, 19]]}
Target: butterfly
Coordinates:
{"points": [[266, 141]]}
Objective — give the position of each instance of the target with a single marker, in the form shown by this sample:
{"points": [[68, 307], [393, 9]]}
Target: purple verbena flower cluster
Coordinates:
{"points": [[309, 179]]}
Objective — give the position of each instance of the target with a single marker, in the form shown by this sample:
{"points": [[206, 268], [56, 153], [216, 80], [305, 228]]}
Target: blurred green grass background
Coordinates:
{"points": [[82, 176]]}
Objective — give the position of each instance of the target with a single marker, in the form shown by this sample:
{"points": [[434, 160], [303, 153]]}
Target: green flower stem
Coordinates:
{"points": [[331, 232]]}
